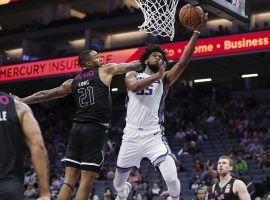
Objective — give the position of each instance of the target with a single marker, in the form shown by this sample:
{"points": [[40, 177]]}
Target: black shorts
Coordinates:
{"points": [[11, 189], [86, 146]]}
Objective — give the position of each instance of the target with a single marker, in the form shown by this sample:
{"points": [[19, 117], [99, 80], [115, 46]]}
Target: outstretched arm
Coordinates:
{"points": [[37, 148], [173, 74], [122, 68], [46, 95], [136, 85]]}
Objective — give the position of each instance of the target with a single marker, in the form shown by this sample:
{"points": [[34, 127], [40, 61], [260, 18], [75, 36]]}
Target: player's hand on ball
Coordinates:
{"points": [[204, 19]]}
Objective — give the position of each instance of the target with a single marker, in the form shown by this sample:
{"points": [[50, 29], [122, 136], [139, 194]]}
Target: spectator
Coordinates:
{"points": [[108, 194], [263, 161], [192, 148], [240, 164], [197, 167], [30, 192], [155, 190], [201, 194]]}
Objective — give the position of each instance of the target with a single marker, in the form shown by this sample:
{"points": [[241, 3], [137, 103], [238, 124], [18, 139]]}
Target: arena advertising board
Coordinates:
{"points": [[4, 2], [216, 46]]}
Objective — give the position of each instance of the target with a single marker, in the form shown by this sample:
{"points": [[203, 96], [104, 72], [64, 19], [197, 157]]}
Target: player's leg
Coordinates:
{"points": [[93, 138], [120, 183], [72, 159], [129, 156], [71, 177], [169, 173], [86, 184], [156, 149]]}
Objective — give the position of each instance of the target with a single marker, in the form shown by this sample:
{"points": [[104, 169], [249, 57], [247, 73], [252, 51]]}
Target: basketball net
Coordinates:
{"points": [[159, 17]]}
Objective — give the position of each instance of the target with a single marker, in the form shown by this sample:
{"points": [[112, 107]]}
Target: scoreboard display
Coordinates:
{"points": [[4, 2]]}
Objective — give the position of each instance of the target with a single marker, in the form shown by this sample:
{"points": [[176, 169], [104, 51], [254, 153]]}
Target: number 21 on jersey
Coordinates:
{"points": [[86, 97]]}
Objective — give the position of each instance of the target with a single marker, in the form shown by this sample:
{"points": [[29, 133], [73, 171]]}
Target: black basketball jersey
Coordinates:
{"points": [[92, 96], [11, 140], [226, 192]]}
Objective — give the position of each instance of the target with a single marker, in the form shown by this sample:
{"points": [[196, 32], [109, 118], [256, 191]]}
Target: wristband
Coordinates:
{"points": [[198, 32]]}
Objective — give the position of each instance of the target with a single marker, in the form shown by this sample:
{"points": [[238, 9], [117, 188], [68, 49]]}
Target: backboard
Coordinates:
{"points": [[234, 10]]}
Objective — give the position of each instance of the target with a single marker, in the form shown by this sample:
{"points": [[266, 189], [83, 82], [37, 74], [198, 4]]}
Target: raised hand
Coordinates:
{"points": [[204, 19], [161, 71]]}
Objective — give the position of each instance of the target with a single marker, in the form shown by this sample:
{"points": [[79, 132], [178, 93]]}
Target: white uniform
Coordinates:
{"points": [[143, 132]]}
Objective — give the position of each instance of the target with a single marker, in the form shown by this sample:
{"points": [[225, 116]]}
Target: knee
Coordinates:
{"points": [[87, 182], [118, 185], [173, 182]]}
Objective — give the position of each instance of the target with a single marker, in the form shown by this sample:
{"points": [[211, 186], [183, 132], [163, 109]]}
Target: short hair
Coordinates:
{"points": [[150, 48], [83, 57], [228, 158]]}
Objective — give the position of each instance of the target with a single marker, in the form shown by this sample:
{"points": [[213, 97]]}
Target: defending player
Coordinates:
{"points": [[91, 91]]}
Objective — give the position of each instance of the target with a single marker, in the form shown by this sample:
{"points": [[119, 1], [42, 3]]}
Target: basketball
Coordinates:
{"points": [[190, 17]]}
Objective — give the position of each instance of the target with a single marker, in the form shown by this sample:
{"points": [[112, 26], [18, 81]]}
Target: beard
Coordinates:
{"points": [[153, 67]]}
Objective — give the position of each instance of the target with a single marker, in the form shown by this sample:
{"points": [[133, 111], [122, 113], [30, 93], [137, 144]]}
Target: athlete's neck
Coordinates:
{"points": [[224, 179], [148, 71]]}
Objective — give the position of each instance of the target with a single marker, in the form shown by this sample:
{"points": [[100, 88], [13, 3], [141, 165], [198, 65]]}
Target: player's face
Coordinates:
{"points": [[223, 166], [154, 61], [95, 60]]}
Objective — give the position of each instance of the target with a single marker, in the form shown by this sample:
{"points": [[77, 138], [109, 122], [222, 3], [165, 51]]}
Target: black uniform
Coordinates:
{"points": [[226, 192], [92, 120], [11, 148]]}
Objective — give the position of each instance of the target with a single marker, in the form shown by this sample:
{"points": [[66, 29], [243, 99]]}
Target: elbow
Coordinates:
{"points": [[39, 149]]}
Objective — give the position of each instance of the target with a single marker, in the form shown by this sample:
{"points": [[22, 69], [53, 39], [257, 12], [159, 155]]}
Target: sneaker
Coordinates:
{"points": [[127, 188]]}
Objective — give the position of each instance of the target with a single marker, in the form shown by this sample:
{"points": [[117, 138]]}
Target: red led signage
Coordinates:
{"points": [[218, 46], [3, 2]]}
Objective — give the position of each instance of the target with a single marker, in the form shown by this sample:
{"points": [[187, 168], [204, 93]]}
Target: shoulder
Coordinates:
{"points": [[131, 74], [21, 108], [238, 185]]}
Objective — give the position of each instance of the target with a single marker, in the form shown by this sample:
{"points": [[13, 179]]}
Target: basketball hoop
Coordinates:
{"points": [[159, 17]]}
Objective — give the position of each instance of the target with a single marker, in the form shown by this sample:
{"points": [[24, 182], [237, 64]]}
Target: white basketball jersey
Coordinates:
{"points": [[146, 107]]}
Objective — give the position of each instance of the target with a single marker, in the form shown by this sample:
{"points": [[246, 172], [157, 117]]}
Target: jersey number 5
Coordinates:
{"points": [[86, 97], [146, 91]]}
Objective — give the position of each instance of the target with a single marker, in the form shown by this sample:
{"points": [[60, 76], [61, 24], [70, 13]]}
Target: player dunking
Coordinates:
{"points": [[91, 92], [228, 188], [16, 124], [143, 134]]}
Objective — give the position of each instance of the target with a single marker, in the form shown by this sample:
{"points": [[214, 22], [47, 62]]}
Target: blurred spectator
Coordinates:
{"points": [[139, 196], [192, 148], [155, 190], [196, 183], [30, 192], [201, 194], [263, 161], [108, 194], [110, 173], [197, 167], [240, 164]]}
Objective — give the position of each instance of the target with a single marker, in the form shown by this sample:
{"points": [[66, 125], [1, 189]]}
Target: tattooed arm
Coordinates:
{"points": [[46, 95], [122, 68]]}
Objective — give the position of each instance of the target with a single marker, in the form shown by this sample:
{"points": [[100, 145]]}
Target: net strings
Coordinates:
{"points": [[159, 17]]}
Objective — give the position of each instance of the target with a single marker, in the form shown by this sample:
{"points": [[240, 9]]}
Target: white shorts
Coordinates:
{"points": [[141, 143]]}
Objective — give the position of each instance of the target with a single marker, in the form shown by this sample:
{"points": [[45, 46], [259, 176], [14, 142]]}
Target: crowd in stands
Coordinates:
{"points": [[190, 114]]}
